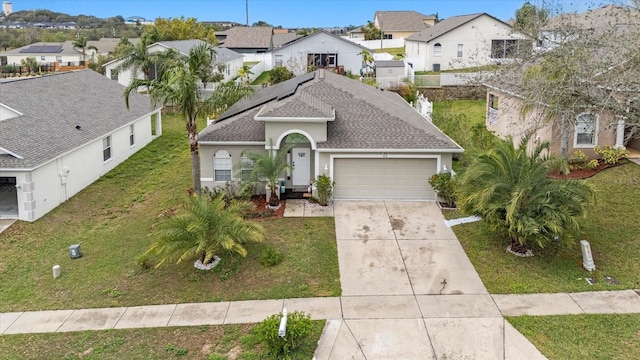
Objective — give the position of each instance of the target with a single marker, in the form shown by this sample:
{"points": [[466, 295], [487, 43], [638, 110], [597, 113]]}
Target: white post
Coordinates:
{"points": [[56, 271], [620, 132], [587, 258], [282, 330]]}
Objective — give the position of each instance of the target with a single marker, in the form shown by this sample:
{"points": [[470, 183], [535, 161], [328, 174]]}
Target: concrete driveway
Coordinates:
{"points": [[410, 292]]}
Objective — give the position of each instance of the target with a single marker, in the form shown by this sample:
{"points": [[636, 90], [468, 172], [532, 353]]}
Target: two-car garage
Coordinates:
{"points": [[391, 178]]}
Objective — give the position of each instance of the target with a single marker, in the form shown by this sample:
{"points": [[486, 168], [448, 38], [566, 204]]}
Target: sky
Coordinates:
{"points": [[287, 13]]}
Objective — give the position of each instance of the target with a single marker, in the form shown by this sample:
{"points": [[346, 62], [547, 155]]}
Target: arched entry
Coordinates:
{"points": [[8, 198], [300, 157]]}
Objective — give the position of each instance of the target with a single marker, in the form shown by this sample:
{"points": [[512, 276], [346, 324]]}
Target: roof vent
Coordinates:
{"points": [[77, 127]]}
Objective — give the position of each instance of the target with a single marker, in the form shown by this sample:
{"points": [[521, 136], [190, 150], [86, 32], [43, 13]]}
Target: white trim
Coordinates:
{"points": [[232, 143], [293, 119], [11, 109], [383, 156], [365, 151], [206, 179], [10, 153], [292, 131], [595, 134]]}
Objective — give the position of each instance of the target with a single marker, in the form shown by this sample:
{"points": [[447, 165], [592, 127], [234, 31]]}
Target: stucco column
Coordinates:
{"points": [[620, 133]]}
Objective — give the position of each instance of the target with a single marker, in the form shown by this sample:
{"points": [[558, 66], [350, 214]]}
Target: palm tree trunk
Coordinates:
{"points": [[192, 130]]}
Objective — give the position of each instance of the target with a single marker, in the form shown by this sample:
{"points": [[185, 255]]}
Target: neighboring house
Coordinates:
{"points": [[463, 41], [505, 117], [392, 72], [230, 60], [46, 53], [247, 40], [319, 50], [60, 133], [104, 46], [357, 33], [402, 24], [372, 143]]}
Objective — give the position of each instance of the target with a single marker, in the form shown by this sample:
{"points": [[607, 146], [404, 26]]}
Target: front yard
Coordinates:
{"points": [[111, 220]]}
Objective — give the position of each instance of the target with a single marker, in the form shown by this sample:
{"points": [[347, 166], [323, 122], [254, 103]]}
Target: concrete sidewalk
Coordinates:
{"points": [[345, 310]]}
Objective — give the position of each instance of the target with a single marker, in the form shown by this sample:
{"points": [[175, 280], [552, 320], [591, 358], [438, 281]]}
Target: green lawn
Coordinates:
{"points": [[594, 337], [610, 228], [392, 51], [111, 220], [202, 342], [265, 77]]}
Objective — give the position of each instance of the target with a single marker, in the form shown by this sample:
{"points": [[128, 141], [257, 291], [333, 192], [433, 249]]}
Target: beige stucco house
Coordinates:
{"points": [[372, 143], [505, 117], [402, 24], [463, 41]]}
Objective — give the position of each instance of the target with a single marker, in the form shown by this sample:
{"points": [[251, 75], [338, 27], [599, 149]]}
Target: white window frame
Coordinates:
{"points": [[578, 127], [106, 149], [460, 50], [222, 163], [246, 166], [278, 60], [132, 135], [437, 49]]}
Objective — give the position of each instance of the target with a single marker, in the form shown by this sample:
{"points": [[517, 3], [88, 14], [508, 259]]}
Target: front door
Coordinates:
{"points": [[300, 166]]}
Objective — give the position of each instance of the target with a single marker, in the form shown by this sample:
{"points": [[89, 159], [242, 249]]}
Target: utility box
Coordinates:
{"points": [[587, 258], [282, 183], [74, 251]]}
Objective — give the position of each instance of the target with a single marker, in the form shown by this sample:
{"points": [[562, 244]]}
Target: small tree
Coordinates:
{"points": [[30, 63], [269, 167], [324, 185]]}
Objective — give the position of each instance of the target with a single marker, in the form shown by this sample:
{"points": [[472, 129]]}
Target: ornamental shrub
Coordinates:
{"points": [[324, 185], [444, 185], [299, 328], [611, 155]]}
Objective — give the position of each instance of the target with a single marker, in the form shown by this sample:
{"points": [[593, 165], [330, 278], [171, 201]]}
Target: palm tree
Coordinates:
{"points": [[244, 72], [205, 227], [179, 86], [81, 43], [367, 62], [509, 188], [269, 167]]}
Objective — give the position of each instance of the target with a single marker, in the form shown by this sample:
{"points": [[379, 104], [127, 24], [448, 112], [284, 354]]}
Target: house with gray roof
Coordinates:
{"points": [[60, 133], [62, 53], [463, 41], [372, 143], [247, 39], [319, 50], [225, 61]]}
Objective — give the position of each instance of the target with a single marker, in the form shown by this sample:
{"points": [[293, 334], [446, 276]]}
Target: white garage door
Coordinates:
{"points": [[383, 179]]}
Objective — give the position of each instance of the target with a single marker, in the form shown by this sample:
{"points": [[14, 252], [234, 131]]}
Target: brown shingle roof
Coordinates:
{"points": [[402, 20], [243, 37]]}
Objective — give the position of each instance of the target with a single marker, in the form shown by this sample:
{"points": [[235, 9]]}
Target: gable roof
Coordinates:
{"points": [[181, 46], [307, 37], [282, 39], [365, 117], [244, 37], [389, 63], [402, 20], [448, 25], [52, 106]]}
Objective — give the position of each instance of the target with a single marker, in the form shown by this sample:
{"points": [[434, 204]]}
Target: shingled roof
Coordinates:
{"points": [[244, 37], [52, 106], [365, 117], [445, 26], [402, 20]]}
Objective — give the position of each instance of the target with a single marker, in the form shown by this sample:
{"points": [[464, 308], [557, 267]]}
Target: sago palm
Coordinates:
{"points": [[509, 188], [204, 229]]}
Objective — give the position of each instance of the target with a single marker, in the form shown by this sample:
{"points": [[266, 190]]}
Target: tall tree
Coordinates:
{"points": [[137, 58], [203, 229], [180, 87], [529, 18], [508, 188], [81, 43], [371, 31]]}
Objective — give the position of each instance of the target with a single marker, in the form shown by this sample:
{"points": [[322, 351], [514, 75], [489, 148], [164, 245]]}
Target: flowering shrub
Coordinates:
{"points": [[444, 185], [611, 155]]}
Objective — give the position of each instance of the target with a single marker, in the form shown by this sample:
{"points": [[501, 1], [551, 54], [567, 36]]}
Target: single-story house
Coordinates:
{"points": [[372, 143], [402, 24], [229, 59], [463, 41], [320, 50], [60, 133], [60, 53]]}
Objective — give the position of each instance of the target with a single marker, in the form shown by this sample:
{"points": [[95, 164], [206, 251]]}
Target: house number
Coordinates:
{"points": [[302, 154]]}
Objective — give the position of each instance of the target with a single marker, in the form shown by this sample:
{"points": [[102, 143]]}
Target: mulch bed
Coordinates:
{"points": [[261, 205], [584, 173]]}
